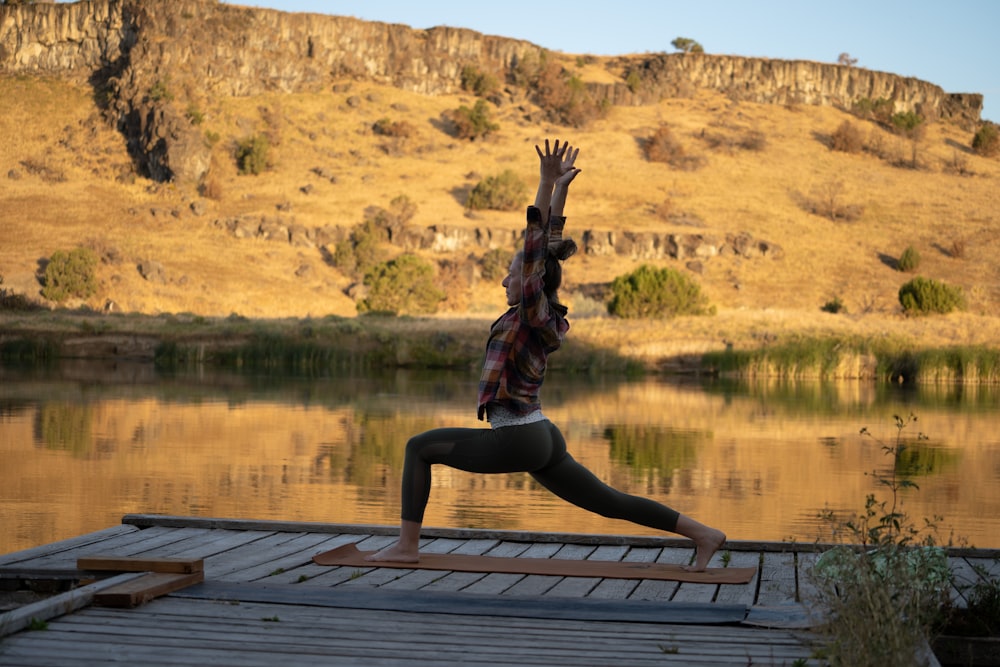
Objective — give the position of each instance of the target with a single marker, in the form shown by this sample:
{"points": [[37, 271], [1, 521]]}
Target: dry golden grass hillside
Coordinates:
{"points": [[67, 182]]}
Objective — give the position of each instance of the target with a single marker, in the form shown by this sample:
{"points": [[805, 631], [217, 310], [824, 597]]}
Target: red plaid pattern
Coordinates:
{"points": [[522, 338]]}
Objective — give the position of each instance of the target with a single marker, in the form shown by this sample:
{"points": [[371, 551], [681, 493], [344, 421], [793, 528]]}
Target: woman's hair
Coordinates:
{"points": [[556, 255]]}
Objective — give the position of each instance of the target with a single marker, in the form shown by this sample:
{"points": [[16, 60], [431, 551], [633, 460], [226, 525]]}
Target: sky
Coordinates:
{"points": [[953, 44]]}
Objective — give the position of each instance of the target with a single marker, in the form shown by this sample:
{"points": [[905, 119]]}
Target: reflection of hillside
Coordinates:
{"points": [[332, 451]]}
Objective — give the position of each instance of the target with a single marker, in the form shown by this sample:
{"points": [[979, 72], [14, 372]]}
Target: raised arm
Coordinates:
{"points": [[556, 172]]}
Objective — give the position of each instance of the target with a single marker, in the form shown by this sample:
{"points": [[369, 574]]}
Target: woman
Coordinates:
{"points": [[521, 438]]}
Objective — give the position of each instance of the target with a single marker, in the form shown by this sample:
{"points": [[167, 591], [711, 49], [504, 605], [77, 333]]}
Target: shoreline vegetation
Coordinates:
{"points": [[759, 346]]}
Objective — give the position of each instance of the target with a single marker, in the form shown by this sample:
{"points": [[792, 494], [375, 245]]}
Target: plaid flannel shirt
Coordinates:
{"points": [[522, 338]]}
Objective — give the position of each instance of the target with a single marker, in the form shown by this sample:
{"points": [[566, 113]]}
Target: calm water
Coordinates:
{"points": [[85, 444]]}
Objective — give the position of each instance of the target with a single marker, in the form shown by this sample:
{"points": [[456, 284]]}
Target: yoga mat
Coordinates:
{"points": [[349, 555]]}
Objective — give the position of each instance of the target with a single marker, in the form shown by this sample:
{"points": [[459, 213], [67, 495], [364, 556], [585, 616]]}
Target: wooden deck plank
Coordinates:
{"points": [[494, 582], [25, 556], [126, 544], [291, 555], [620, 589], [649, 589], [417, 579], [244, 636], [455, 581], [520, 584], [804, 563], [745, 594], [705, 593], [289, 573], [777, 579]]}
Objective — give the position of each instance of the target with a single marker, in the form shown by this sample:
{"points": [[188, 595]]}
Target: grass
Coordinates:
{"points": [[212, 275], [842, 358]]}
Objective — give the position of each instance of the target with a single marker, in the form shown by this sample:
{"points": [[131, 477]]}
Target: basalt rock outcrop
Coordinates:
{"points": [[148, 60]]}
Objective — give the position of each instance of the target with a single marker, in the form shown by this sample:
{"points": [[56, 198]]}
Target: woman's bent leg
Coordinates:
{"points": [[472, 450]]}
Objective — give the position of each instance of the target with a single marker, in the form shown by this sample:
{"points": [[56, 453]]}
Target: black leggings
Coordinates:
{"points": [[537, 448]]}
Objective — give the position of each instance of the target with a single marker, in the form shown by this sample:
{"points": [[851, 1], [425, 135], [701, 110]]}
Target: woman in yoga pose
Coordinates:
{"points": [[521, 438]]}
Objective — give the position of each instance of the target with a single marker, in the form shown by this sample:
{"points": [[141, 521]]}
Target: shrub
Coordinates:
{"points": [[879, 110], [479, 83], [472, 123], [387, 128], [70, 274], [909, 261], [565, 97], [834, 306], [504, 192], [252, 154], [906, 121], [360, 252], [402, 285], [9, 300], [663, 146], [495, 264], [652, 292], [986, 141], [922, 296], [847, 138]]}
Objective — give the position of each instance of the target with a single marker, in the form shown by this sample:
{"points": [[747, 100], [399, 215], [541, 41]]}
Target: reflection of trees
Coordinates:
{"points": [[377, 446], [645, 447], [915, 460], [65, 426]]}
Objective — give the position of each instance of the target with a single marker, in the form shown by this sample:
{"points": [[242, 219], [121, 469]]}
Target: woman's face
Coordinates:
{"points": [[513, 281]]}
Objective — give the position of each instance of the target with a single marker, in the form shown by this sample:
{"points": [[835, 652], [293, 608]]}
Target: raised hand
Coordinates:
{"points": [[557, 161]]}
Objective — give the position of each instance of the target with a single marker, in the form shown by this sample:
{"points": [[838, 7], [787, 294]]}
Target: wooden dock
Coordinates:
{"points": [[253, 596]]}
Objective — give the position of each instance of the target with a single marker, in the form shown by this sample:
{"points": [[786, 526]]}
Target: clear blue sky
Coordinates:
{"points": [[954, 44]]}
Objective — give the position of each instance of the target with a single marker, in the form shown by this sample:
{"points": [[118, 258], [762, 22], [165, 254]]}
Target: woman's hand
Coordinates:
{"points": [[557, 161]]}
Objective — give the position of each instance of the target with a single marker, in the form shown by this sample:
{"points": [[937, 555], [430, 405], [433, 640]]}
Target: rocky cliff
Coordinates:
{"points": [[148, 60]]}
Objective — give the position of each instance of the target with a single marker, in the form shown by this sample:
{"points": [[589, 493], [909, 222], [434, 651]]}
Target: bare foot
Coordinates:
{"points": [[395, 554], [706, 544]]}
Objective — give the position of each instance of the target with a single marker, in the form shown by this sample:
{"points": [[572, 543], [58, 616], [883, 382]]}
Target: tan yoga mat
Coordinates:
{"points": [[350, 555]]}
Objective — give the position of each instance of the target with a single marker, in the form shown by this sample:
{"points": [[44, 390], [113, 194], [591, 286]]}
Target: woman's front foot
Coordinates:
{"points": [[395, 553]]}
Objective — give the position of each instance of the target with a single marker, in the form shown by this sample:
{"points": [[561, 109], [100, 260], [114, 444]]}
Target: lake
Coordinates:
{"points": [[85, 443]]}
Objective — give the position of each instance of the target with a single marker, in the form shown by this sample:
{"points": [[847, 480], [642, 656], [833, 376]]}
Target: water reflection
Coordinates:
{"points": [[84, 444]]}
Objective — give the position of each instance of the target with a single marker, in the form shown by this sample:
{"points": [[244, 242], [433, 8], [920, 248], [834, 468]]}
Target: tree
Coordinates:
{"points": [[687, 45], [846, 60]]}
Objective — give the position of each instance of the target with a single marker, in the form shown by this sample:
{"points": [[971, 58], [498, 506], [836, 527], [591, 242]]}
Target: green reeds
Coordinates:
{"points": [[832, 358]]}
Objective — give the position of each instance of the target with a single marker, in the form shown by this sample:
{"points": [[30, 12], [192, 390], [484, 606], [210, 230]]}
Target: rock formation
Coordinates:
{"points": [[149, 59]]}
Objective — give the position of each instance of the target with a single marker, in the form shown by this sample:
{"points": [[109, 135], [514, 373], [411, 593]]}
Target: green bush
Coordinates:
{"points": [[834, 306], [252, 154], [503, 192], [70, 274], [472, 123], [402, 285], [362, 250], [479, 83], [879, 110], [909, 261], [986, 141], [652, 292], [922, 296], [907, 123]]}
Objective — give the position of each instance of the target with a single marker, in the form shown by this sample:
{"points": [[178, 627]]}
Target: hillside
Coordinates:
{"points": [[69, 179]]}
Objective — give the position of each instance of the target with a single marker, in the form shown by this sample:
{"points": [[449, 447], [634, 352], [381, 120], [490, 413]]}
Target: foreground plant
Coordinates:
{"points": [[882, 597]]}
